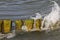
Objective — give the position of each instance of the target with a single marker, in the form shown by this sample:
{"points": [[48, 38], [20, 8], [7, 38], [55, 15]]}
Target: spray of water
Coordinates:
{"points": [[52, 18], [38, 16]]}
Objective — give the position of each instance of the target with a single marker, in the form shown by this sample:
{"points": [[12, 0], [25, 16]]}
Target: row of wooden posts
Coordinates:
{"points": [[6, 25]]}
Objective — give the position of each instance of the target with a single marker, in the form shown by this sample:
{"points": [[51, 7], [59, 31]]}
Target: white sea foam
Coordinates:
{"points": [[11, 35], [2, 36], [52, 18]]}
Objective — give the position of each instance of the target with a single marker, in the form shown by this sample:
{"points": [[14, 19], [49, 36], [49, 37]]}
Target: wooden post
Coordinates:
{"points": [[6, 26], [19, 24]]}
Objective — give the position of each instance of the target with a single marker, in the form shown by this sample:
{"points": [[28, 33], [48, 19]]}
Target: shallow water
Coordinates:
{"points": [[53, 35]]}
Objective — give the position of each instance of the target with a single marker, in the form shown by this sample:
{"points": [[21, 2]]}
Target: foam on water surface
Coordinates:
{"points": [[11, 35], [2, 36]]}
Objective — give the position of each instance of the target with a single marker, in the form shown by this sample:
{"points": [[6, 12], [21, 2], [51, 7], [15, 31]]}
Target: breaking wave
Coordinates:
{"points": [[52, 18]]}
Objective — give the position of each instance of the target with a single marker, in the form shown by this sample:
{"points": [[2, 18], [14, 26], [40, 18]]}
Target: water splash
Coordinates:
{"points": [[24, 28], [38, 16], [52, 18]]}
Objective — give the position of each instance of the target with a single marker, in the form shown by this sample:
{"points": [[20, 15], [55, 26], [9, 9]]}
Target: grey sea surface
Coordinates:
{"points": [[22, 9]]}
